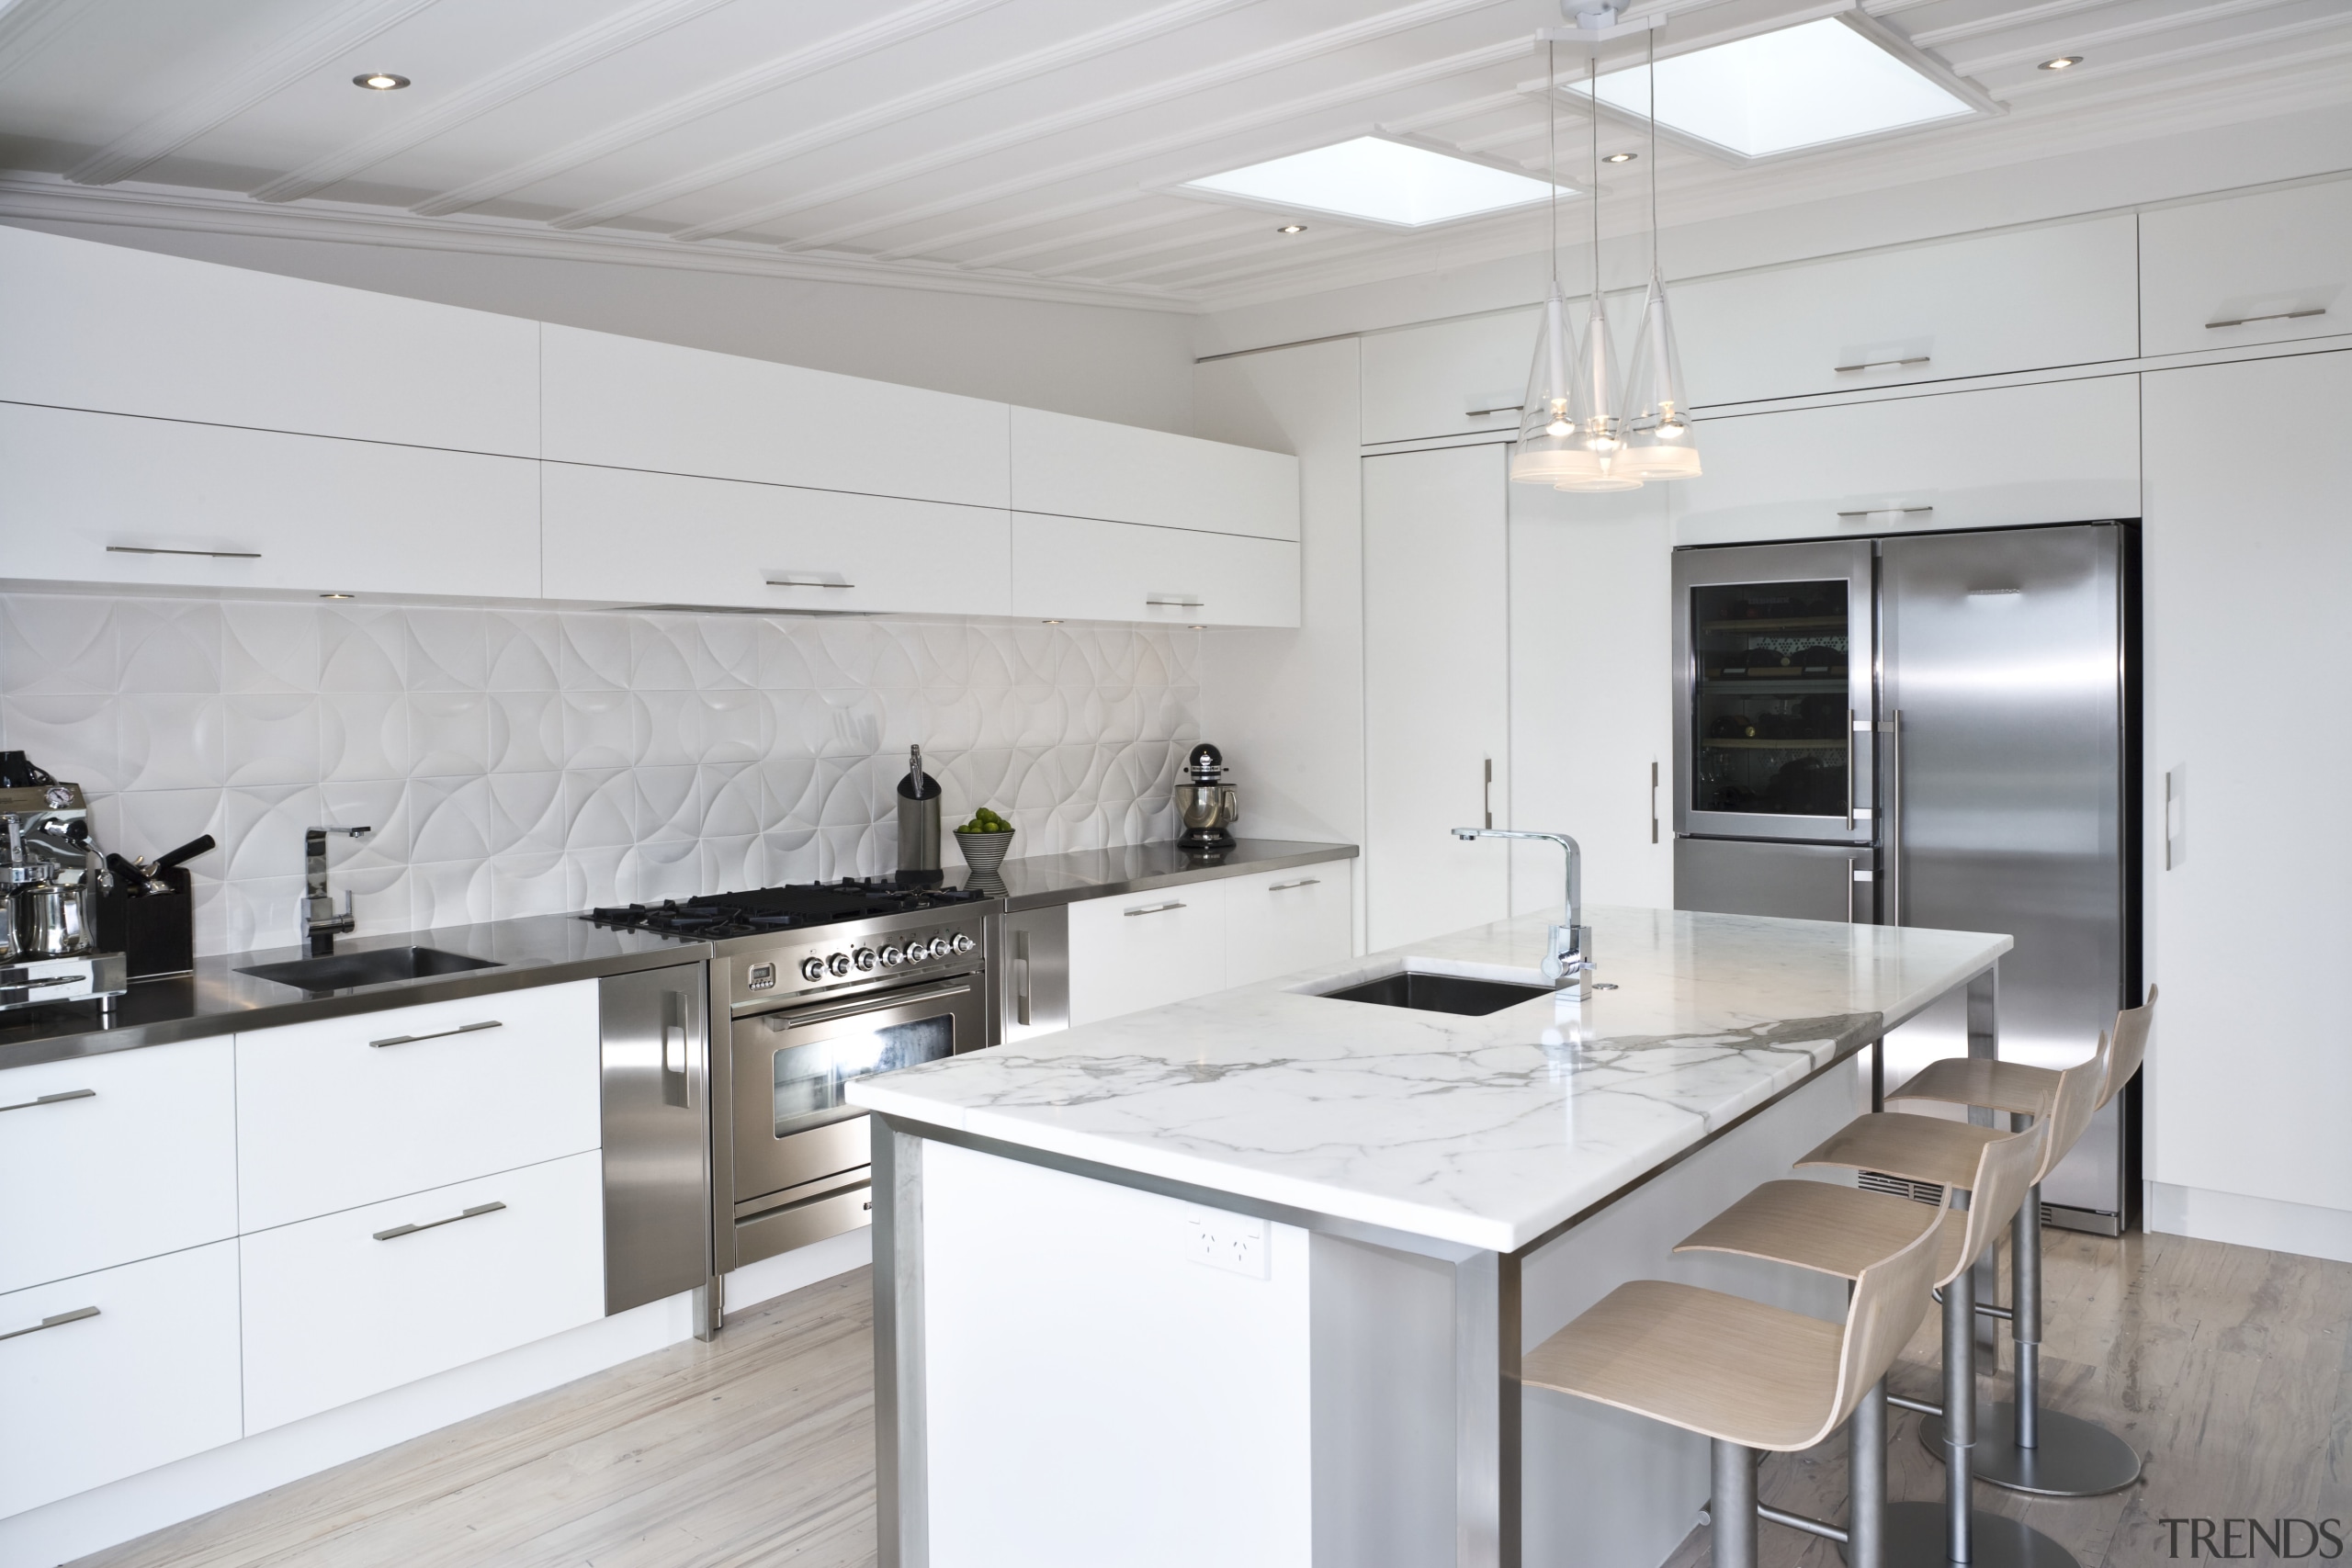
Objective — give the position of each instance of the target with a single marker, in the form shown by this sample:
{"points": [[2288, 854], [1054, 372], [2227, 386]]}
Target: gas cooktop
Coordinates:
{"points": [[715, 915]]}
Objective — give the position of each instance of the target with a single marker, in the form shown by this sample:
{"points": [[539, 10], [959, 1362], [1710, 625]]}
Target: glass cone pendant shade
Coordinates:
{"points": [[1551, 445], [1660, 442], [1593, 410]]}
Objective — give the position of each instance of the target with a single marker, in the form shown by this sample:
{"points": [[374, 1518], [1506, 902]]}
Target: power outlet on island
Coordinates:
{"points": [[1235, 1243]]}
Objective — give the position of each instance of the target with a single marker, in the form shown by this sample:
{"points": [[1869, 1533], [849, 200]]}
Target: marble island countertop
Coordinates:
{"points": [[1486, 1132]]}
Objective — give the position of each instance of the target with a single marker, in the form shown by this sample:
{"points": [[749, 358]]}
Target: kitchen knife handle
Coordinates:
{"points": [[201, 844]]}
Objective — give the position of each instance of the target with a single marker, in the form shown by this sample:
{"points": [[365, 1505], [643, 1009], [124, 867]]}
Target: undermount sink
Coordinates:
{"points": [[342, 971], [1424, 992]]}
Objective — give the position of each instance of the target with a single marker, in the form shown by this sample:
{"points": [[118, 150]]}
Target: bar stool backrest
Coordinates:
{"points": [[2131, 1046], [1890, 1301], [2071, 1107], [2006, 1171]]}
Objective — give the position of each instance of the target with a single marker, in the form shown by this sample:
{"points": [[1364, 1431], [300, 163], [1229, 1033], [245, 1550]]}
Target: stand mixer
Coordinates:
{"points": [[1206, 804]]}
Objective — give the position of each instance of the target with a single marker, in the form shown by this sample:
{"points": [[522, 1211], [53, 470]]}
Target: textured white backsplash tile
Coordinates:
{"points": [[518, 763]]}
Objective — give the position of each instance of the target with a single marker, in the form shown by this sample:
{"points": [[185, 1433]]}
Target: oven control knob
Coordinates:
{"points": [[962, 943], [939, 948], [812, 968], [838, 964], [864, 959], [892, 957]]}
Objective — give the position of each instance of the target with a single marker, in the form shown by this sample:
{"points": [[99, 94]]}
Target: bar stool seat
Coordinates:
{"points": [[2018, 1087], [1831, 1230], [1918, 1148]]}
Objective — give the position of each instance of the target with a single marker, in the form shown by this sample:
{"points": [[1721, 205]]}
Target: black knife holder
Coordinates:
{"points": [[155, 932]]}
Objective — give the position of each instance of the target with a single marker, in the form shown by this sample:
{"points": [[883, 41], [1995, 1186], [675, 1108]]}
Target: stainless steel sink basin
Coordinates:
{"points": [[1439, 993], [342, 971]]}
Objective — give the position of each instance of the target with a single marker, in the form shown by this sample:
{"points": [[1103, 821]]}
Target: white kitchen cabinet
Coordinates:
{"points": [[2265, 269], [149, 1377], [1280, 921], [1146, 950], [633, 403], [1122, 473], [354, 1303], [105, 498], [122, 331], [1437, 678], [631, 537], [1448, 378], [1078, 568], [2028, 300], [2058, 452], [347, 1110], [110, 1158]]}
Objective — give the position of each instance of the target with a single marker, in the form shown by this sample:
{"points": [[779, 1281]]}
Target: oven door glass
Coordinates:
{"points": [[809, 1077]]}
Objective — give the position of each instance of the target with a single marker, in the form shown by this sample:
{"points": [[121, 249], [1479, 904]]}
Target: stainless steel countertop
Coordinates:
{"points": [[548, 949]]}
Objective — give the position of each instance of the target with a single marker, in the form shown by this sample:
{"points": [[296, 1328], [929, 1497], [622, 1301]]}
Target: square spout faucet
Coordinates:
{"points": [[1567, 951], [320, 923]]}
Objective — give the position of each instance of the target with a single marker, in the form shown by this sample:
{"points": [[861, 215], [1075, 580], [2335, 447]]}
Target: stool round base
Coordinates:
{"points": [[2072, 1458], [1916, 1539]]}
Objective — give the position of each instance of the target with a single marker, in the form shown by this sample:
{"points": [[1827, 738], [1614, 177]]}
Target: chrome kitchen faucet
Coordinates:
{"points": [[1568, 956], [321, 924]]}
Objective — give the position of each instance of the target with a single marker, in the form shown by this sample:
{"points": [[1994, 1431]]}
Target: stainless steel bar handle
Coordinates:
{"points": [[160, 550], [59, 1098], [1895, 818], [2274, 316], [876, 1002], [1152, 909], [1021, 972], [1851, 879], [439, 1034], [1850, 792], [1849, 781], [55, 1320], [1888, 512], [804, 582], [1884, 364], [1302, 882], [1487, 785], [473, 1213], [1180, 603]]}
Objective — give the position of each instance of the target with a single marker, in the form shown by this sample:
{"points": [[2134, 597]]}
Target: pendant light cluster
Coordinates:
{"points": [[1584, 427]]}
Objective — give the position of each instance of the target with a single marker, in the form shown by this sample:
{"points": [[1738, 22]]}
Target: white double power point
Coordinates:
{"points": [[1235, 1243]]}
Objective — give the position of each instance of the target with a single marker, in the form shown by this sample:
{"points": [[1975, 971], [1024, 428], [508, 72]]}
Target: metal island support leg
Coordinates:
{"points": [[1487, 1411], [901, 1515]]}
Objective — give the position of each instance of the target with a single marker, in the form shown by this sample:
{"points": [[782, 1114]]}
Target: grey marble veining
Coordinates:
{"points": [[1482, 1131]]}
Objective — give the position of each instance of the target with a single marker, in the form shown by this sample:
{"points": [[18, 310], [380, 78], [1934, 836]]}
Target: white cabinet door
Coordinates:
{"points": [[1437, 679], [2025, 301], [1447, 378], [1077, 569], [103, 498], [347, 1110], [106, 1159], [1280, 921], [1145, 950], [1122, 473], [351, 1303], [635, 404], [2267, 268], [148, 1377], [2060, 452], [621, 536], [105, 327]]}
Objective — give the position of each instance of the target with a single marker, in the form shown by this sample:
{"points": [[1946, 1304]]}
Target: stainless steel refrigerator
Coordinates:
{"points": [[1931, 730]]}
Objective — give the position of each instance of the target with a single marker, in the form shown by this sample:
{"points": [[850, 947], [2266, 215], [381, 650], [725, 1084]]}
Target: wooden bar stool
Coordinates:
{"points": [[2019, 1446], [1751, 1377], [1945, 1154], [1841, 1230]]}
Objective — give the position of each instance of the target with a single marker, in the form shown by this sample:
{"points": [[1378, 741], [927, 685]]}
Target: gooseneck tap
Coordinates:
{"points": [[321, 924], [1568, 956]]}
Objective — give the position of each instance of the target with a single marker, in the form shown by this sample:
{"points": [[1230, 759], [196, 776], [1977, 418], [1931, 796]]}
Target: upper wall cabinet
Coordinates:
{"points": [[635, 404], [2058, 452], [1460, 376], [2267, 268], [2026, 301], [130, 331], [1081, 568], [1119, 473]]}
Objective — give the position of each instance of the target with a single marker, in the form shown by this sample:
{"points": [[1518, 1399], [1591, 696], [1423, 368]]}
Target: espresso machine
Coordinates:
{"points": [[51, 878], [1205, 802]]}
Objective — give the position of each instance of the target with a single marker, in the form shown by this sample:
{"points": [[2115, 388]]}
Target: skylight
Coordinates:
{"points": [[1780, 91], [1378, 181]]}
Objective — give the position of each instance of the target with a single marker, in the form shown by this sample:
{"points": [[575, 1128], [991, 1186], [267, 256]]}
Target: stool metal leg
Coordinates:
{"points": [[1866, 1480], [1960, 1405], [1731, 1514]]}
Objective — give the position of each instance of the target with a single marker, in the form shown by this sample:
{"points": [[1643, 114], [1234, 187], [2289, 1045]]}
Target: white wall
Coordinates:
{"points": [[1129, 366]]}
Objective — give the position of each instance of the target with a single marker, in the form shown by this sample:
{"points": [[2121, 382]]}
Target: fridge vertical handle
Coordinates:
{"points": [[1850, 867], [1653, 801], [1849, 777], [1895, 818], [1487, 785]]}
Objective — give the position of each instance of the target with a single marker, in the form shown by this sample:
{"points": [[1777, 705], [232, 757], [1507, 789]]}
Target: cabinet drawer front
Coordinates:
{"points": [[1082, 569], [152, 1377], [2019, 301], [1121, 473], [101, 498], [136, 1155], [2267, 268], [2063, 452], [130, 332], [333, 1314], [638, 404], [1145, 950], [615, 533], [349, 1110], [1281, 921]]}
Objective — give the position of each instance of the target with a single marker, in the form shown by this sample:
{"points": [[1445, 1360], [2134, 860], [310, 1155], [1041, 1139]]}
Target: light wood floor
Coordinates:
{"points": [[2227, 1367]]}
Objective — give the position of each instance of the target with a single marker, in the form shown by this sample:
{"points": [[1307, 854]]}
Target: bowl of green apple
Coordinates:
{"points": [[984, 840]]}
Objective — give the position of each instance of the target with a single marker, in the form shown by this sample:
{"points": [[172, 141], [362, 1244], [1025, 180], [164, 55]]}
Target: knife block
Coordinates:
{"points": [[157, 934]]}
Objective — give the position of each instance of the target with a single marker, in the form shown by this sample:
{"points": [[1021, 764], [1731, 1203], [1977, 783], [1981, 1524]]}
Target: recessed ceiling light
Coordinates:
{"points": [[380, 82], [2062, 63], [338, 595], [1621, 157], [1374, 180], [1776, 91], [1292, 229], [1051, 623]]}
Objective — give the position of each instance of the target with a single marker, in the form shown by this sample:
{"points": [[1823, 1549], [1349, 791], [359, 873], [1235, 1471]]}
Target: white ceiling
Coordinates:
{"points": [[1012, 146]]}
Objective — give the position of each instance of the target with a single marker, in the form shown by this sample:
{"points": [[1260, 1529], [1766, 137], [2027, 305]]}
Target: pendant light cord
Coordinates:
{"points": [[1653, 80], [1552, 152], [1593, 106]]}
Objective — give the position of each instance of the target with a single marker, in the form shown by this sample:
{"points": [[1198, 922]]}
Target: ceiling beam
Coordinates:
{"points": [[2121, 32], [2203, 50], [1996, 22], [1162, 220], [1161, 245], [331, 31], [28, 27]]}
